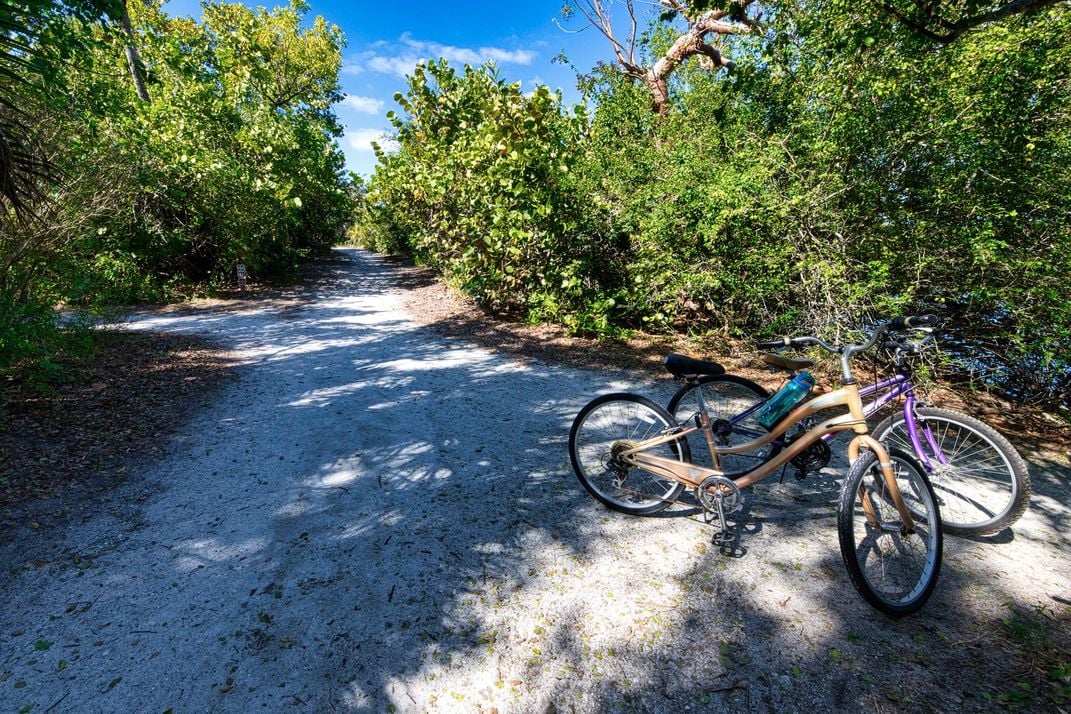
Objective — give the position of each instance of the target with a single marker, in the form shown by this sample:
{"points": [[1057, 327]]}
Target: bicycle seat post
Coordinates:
{"points": [[704, 423]]}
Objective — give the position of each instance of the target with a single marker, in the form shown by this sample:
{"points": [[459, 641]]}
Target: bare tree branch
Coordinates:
{"points": [[691, 43], [598, 17], [133, 57]]}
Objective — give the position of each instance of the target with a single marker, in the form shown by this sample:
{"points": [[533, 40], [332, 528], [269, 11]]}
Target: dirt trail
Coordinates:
{"points": [[377, 518]]}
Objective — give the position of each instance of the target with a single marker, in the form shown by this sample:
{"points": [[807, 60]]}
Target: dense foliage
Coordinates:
{"points": [[233, 155], [484, 189], [847, 167]]}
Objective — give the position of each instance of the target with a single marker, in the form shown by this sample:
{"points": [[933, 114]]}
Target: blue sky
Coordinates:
{"points": [[386, 39]]}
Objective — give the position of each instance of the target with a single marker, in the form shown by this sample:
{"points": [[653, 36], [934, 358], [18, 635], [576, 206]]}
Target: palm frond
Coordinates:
{"points": [[23, 169]]}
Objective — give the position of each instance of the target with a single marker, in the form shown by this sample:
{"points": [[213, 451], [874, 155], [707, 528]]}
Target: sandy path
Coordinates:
{"points": [[374, 518]]}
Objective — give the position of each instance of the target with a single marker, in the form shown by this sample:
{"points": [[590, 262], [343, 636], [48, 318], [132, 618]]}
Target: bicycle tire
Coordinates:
{"points": [[984, 487], [894, 571], [616, 419], [727, 396]]}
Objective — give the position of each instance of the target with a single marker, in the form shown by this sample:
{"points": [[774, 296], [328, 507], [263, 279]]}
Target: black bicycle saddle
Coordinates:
{"points": [[683, 367]]}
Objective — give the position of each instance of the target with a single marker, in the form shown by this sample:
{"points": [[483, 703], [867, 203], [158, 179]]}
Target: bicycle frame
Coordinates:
{"points": [[692, 475], [890, 389]]}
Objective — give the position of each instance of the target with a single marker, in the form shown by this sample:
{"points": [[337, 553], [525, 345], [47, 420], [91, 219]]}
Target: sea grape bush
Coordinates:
{"points": [[483, 186], [844, 168]]}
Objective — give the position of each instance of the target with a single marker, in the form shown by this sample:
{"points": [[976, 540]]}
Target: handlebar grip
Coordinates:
{"points": [[904, 323], [775, 344]]}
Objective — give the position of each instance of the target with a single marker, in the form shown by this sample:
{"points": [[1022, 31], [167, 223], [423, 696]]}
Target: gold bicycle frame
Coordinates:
{"points": [[692, 475]]}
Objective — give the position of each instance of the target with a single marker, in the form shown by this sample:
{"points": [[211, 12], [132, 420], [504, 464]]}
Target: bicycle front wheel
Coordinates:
{"points": [[731, 403], [981, 482], [610, 424], [895, 569]]}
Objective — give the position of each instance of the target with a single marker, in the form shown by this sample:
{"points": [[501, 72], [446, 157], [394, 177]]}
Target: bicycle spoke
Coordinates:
{"points": [[894, 569], [981, 481], [610, 425], [730, 403]]}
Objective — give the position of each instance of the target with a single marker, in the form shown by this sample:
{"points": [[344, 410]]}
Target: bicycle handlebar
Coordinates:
{"points": [[791, 342], [897, 324], [846, 352], [775, 344], [905, 345]]}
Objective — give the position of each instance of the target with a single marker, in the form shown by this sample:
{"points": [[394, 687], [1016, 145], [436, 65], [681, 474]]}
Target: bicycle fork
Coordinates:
{"points": [[893, 488]]}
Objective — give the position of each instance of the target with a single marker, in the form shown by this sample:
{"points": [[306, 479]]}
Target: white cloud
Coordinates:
{"points": [[465, 55], [361, 139], [393, 65], [507, 57], [404, 57], [364, 105]]}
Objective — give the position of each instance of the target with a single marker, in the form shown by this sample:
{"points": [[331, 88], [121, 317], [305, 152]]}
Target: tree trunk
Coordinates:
{"points": [[659, 89], [133, 58], [691, 43]]}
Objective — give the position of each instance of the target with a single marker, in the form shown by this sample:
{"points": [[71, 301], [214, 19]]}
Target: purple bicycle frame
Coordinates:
{"points": [[893, 388]]}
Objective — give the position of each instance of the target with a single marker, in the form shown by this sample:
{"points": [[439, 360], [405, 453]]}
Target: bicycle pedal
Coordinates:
{"points": [[722, 538]]}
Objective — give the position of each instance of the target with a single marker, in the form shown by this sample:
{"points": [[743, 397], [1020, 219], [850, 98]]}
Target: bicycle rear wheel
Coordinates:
{"points": [[729, 400], [981, 482], [606, 426], [895, 570]]}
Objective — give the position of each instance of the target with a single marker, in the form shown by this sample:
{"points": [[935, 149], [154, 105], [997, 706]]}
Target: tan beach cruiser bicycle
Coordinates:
{"points": [[633, 456]]}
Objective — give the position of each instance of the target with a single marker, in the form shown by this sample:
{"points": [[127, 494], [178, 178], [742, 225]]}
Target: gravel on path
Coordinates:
{"points": [[376, 517]]}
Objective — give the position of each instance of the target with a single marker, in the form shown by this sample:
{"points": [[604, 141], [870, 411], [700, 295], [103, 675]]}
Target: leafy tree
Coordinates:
{"points": [[845, 169], [30, 60], [235, 154], [944, 22], [222, 162]]}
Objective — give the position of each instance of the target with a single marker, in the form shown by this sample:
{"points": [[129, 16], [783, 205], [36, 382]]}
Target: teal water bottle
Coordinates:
{"points": [[787, 397]]}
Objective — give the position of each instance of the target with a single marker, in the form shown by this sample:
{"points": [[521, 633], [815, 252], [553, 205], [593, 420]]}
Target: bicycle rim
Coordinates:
{"points": [[980, 484], [895, 570], [613, 423], [727, 398]]}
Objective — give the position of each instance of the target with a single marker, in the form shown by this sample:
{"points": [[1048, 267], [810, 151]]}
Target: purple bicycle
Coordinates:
{"points": [[981, 483]]}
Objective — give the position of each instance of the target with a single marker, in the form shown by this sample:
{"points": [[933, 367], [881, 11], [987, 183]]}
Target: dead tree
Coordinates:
{"points": [[702, 24]]}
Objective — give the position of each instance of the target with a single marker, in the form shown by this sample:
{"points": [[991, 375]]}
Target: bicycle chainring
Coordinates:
{"points": [[722, 429], [713, 487], [814, 458]]}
